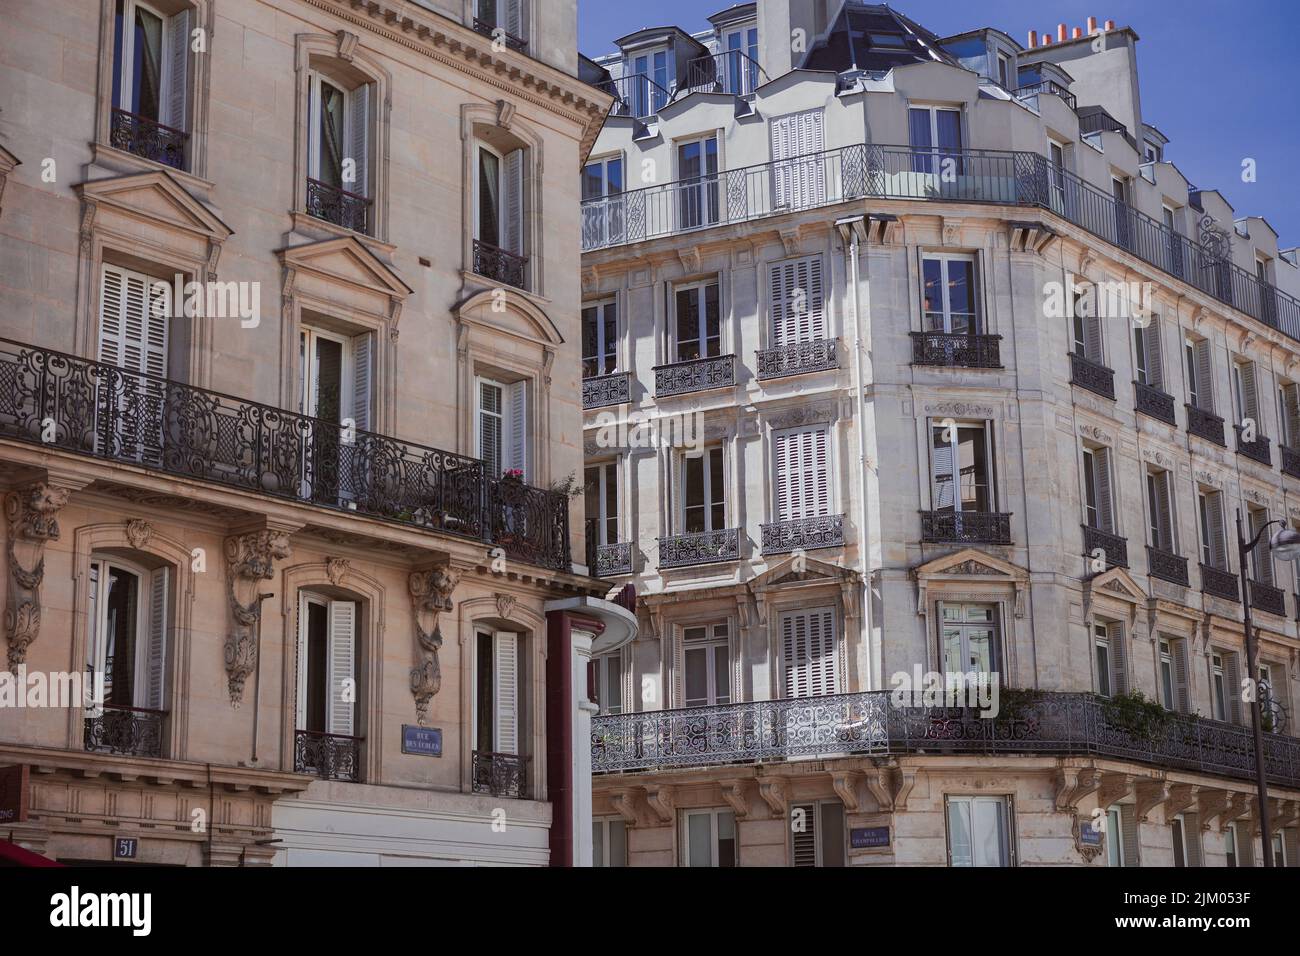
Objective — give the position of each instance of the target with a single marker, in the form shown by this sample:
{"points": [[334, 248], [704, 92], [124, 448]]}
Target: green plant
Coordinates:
{"points": [[1017, 704], [1137, 716], [569, 486]]}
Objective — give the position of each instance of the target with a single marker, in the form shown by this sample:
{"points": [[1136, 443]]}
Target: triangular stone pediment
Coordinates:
{"points": [[156, 196], [521, 317], [346, 259], [1117, 583], [800, 570], [970, 562]]}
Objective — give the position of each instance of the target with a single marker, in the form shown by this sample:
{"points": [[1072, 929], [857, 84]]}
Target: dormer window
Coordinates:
{"points": [[740, 50], [151, 57], [649, 93]]}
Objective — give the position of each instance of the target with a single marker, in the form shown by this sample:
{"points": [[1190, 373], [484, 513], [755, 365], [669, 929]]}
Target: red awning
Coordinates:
{"points": [[11, 854]]}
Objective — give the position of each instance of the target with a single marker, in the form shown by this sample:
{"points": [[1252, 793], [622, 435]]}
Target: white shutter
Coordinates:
{"points": [[1129, 827], [783, 476], [512, 202], [1249, 395], [791, 325], [810, 139], [301, 666], [506, 692], [1181, 693], [342, 667], [781, 130], [1291, 413], [784, 321], [1105, 511], [362, 372], [359, 139], [133, 322], [514, 17], [177, 106], [945, 492], [801, 474], [803, 843], [808, 646], [1155, 364], [1204, 376], [517, 424], [112, 316], [490, 412], [151, 690]]}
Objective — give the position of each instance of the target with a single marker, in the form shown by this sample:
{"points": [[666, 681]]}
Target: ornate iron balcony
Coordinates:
{"points": [[500, 266], [106, 412], [502, 775], [798, 359], [803, 534], [696, 375], [332, 204], [131, 731], [1256, 450], [1205, 425], [611, 560], [870, 724], [602, 390], [1114, 547], [1167, 566], [1219, 583], [483, 27], [1091, 375], [966, 527], [1265, 597], [705, 547], [1290, 461], [328, 756], [956, 350], [148, 139], [1155, 403]]}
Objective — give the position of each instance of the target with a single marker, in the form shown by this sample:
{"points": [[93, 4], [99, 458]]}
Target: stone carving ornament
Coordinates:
{"points": [[430, 595], [32, 524], [251, 559]]}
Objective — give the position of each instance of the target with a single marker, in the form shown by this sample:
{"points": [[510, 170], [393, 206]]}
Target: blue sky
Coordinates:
{"points": [[1219, 79]]}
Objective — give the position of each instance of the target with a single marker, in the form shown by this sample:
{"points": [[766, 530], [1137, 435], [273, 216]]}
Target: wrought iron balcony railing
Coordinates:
{"points": [[635, 95], [130, 731], [502, 775], [1265, 597], [1091, 375], [488, 29], [1167, 566], [803, 534], [328, 756], [956, 350], [1220, 583], [1290, 461], [343, 208], [499, 265], [106, 412], [731, 71], [1205, 424], [695, 375], [148, 138], [966, 527], [1257, 450], [703, 547], [1048, 87], [611, 560], [1155, 403], [871, 724], [600, 391], [1112, 546], [800, 358]]}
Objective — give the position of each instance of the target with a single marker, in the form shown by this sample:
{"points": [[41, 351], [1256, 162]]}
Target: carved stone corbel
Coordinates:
{"points": [[904, 782], [659, 798], [1073, 784], [1182, 796], [250, 559], [1238, 805], [1211, 804], [879, 786], [624, 805], [30, 513], [773, 792], [1114, 787], [845, 784], [430, 595], [733, 791], [1150, 794]]}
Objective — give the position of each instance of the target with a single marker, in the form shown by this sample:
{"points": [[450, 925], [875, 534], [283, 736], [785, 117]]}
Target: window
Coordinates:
{"points": [[1120, 190], [334, 376], [742, 73], [151, 82], [601, 483], [1109, 650], [338, 152], [1214, 551], [1200, 371], [129, 620], [1230, 844], [1261, 559], [1147, 357], [1160, 511], [697, 175], [961, 466], [503, 426], [499, 208], [602, 221], [1244, 384], [703, 498], [935, 135], [798, 172], [1218, 688], [133, 335], [1173, 675], [1176, 830], [1004, 71], [969, 638], [1268, 699], [1289, 413], [608, 841], [507, 15], [1279, 849], [802, 473], [1056, 174], [979, 831], [950, 294], [706, 666], [797, 304], [327, 671], [599, 339], [650, 94], [1172, 215], [1114, 838], [809, 652], [608, 684], [709, 838], [1086, 326], [817, 834], [1226, 685], [497, 683], [698, 321], [1099, 509]]}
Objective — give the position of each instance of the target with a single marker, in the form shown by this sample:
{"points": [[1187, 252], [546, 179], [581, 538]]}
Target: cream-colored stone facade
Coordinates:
{"points": [[855, 196]]}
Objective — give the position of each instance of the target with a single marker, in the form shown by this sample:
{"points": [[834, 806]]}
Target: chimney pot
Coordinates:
{"points": [[1033, 39], [1046, 38], [1061, 33], [1092, 26], [1076, 33], [1110, 25]]}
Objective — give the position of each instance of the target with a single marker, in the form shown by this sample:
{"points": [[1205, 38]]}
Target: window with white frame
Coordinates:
{"points": [[498, 684], [702, 492], [1230, 845], [1268, 692], [603, 221], [151, 81], [1056, 174], [499, 206], [601, 488], [1218, 688], [599, 338], [1160, 519], [962, 466], [1185, 831], [1110, 674], [706, 665], [1225, 680], [708, 838], [801, 459], [934, 133], [326, 690], [741, 46], [1114, 838], [607, 685], [950, 293], [1147, 358], [1200, 373], [697, 321], [697, 182], [134, 331], [650, 94], [1172, 674], [797, 301], [969, 638], [339, 147], [809, 652], [335, 371], [608, 841], [1098, 501], [798, 169], [1209, 510], [128, 619], [1086, 325], [510, 16], [979, 831], [502, 426], [817, 834]]}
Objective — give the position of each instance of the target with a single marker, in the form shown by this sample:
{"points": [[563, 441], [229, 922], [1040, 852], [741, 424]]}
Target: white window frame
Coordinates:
{"points": [[1101, 641], [700, 288], [604, 348], [1114, 837], [604, 680], [307, 336], [1099, 482], [1006, 817], [709, 643], [707, 478], [714, 814], [520, 691], [934, 109], [1154, 478], [507, 421], [986, 427], [607, 474], [602, 846], [797, 482], [305, 599], [314, 124], [125, 91], [1218, 688], [1166, 674], [653, 104], [945, 305], [1232, 845], [815, 812], [963, 626], [97, 647]]}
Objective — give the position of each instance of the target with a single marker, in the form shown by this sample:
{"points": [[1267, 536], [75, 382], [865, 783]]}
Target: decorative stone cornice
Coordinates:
{"points": [[250, 559], [31, 515], [430, 590], [624, 805]]}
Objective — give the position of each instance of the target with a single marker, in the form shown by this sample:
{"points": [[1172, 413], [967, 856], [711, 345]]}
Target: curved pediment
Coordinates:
{"points": [[158, 198], [503, 312]]}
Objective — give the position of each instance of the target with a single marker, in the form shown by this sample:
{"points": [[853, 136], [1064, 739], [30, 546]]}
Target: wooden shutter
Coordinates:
{"points": [[512, 202], [1291, 413], [359, 139], [342, 667], [132, 324], [1181, 695], [1164, 514], [177, 106], [362, 374], [790, 325], [155, 645], [1129, 832], [1092, 339], [505, 675], [1291, 843], [1249, 394], [1151, 345], [516, 447], [1232, 677], [1214, 517], [1204, 376], [803, 845], [1192, 839], [516, 18], [1262, 556], [1118, 659], [1101, 467], [808, 646]]}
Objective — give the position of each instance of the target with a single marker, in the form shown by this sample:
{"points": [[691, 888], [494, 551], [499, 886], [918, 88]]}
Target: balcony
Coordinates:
{"points": [[635, 95], [870, 724], [1091, 375], [1290, 461], [704, 547], [332, 204], [328, 756], [966, 527], [696, 375], [803, 534], [1265, 597], [956, 350], [1257, 450], [1205, 425], [148, 139], [611, 560], [1167, 566], [104, 412], [127, 731], [1113, 546], [1047, 88], [601, 391], [798, 359], [731, 71], [498, 265], [492, 30], [1154, 403], [1219, 583], [502, 775]]}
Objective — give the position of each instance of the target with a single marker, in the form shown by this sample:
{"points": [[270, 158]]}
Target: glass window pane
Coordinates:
{"points": [[147, 95], [959, 833], [1114, 852], [721, 675], [832, 834], [699, 839], [597, 843], [918, 124], [980, 641], [727, 839], [618, 843], [952, 649], [989, 838], [696, 677]]}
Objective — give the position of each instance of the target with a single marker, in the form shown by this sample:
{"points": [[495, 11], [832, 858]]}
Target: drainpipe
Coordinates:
{"points": [[852, 229]]}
